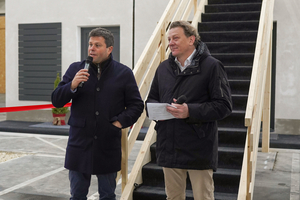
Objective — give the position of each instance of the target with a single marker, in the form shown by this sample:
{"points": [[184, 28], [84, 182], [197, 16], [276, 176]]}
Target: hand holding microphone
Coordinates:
{"points": [[82, 75], [88, 61], [179, 109]]}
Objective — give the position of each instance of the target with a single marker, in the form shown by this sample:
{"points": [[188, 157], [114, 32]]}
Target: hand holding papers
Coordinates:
{"points": [[158, 111]]}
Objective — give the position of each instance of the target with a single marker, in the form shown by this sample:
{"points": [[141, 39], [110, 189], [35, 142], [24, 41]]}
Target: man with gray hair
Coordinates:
{"points": [[188, 143], [105, 99]]}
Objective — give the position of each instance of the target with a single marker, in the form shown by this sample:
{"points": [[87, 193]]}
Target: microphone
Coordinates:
{"points": [[181, 99], [88, 61]]}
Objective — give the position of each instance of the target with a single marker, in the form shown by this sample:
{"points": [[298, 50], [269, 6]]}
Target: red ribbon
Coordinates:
{"points": [[26, 108]]}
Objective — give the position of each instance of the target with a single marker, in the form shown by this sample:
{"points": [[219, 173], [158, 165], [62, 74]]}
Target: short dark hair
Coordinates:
{"points": [[106, 34], [188, 29]]}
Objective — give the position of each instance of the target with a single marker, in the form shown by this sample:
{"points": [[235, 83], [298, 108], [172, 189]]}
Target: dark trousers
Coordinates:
{"points": [[80, 183]]}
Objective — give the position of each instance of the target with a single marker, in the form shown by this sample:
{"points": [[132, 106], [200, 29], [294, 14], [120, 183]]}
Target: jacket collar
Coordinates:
{"points": [[187, 62], [104, 64], [201, 53]]}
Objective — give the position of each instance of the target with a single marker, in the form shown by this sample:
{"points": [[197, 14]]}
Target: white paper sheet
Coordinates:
{"points": [[158, 111]]}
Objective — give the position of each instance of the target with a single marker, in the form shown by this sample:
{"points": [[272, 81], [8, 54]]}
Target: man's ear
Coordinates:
{"points": [[110, 49], [192, 39]]}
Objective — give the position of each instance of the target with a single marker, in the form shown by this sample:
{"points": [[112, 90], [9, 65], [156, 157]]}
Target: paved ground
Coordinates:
{"points": [[38, 173], [277, 175]]}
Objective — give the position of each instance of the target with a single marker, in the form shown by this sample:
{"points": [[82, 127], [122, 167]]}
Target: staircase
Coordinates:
{"points": [[229, 28]]}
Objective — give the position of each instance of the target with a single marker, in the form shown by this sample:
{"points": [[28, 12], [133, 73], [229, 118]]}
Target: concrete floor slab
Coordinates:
{"points": [[16, 196], [276, 183], [40, 174], [29, 167], [33, 143]]}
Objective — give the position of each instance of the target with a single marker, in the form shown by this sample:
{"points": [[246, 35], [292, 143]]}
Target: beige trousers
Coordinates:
{"points": [[201, 180]]}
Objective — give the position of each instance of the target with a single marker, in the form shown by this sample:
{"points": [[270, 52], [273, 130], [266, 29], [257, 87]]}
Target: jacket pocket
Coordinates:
{"points": [[111, 137], [114, 127], [77, 122]]}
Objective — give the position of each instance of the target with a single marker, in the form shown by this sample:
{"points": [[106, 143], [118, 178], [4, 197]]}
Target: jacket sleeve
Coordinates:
{"points": [[63, 94], [133, 102], [220, 104]]}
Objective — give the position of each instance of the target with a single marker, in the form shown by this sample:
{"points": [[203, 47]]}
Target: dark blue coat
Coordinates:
{"points": [[94, 144], [191, 143]]}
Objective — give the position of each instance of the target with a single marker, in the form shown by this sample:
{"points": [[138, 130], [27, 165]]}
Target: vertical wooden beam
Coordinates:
{"points": [[195, 7], [249, 163], [124, 163], [163, 42], [187, 11], [199, 11], [143, 157], [267, 103], [243, 190]]}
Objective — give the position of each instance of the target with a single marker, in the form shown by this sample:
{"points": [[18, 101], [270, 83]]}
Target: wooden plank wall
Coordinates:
{"points": [[2, 54]]}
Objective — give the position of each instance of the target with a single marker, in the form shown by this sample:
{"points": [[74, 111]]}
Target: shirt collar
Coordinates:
{"points": [[187, 62]]}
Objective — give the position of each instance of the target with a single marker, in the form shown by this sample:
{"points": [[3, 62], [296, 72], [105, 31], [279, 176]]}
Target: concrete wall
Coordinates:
{"points": [[2, 46], [2, 54], [145, 10], [2, 7], [74, 14], [287, 107]]}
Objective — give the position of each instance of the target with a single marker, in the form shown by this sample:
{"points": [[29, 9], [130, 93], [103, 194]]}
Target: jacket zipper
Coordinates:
{"points": [[98, 74]]}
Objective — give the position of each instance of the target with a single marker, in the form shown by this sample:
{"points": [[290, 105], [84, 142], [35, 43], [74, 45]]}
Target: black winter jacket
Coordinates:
{"points": [[94, 145], [191, 143]]}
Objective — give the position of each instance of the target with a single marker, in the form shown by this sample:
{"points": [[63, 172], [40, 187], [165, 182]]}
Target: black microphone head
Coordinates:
{"points": [[89, 59], [181, 99]]}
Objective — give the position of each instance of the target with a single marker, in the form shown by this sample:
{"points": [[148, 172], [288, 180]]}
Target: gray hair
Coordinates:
{"points": [[188, 29], [106, 34]]}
